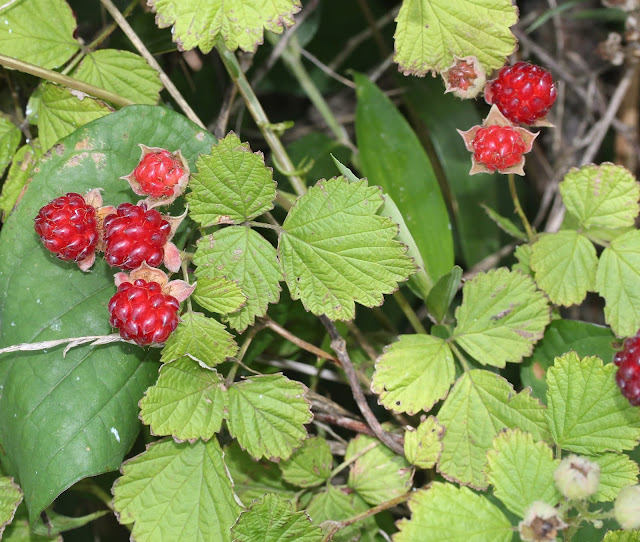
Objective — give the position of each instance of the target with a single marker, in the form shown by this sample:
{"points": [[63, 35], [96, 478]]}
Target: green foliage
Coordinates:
{"points": [[10, 137], [622, 536], [616, 471], [333, 504], [443, 293], [21, 166], [10, 498], [218, 294], [310, 465], [423, 446]]}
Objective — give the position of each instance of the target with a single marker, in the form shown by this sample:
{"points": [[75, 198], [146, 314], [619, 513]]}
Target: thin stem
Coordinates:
{"points": [[256, 224], [185, 274], [516, 202], [460, 357], [137, 43], [70, 342], [284, 333], [241, 353], [108, 30], [353, 458], [260, 117], [94, 489], [61, 79], [408, 311]]}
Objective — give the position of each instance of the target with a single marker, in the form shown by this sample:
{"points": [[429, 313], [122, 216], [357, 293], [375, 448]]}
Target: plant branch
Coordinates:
{"points": [[339, 346], [72, 342], [286, 334], [516, 203], [343, 421], [352, 459]]}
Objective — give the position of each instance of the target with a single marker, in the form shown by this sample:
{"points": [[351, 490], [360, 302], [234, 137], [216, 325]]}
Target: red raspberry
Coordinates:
{"points": [[628, 375], [68, 227], [158, 173], [498, 147], [524, 93], [133, 235], [142, 313]]}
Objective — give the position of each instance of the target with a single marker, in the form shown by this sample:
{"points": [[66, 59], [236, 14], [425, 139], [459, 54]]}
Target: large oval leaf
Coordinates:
{"points": [[63, 419]]}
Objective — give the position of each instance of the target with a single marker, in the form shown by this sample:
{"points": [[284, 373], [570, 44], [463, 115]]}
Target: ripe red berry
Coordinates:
{"points": [[628, 375], [158, 173], [142, 313], [498, 147], [68, 228], [133, 235], [524, 93]]}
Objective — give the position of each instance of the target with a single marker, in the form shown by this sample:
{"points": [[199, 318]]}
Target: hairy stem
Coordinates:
{"points": [[514, 196]]}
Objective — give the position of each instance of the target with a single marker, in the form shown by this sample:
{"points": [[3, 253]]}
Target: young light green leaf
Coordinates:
{"points": [[618, 281], [123, 73], [622, 536], [480, 405], [423, 446], [565, 264], [177, 492], [377, 474], [39, 31], [62, 111], [17, 176], [10, 498], [218, 294], [202, 339], [430, 33], [244, 256], [501, 317], [272, 519], [603, 196], [523, 255], [232, 184], [267, 415], [443, 292], [333, 504], [186, 403], [449, 513], [10, 136], [413, 373], [504, 223], [586, 412], [521, 471], [240, 23], [616, 471], [252, 479], [310, 465], [335, 250]]}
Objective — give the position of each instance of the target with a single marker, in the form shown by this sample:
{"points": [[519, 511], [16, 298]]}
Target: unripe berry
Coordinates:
{"points": [[627, 507], [577, 478]]}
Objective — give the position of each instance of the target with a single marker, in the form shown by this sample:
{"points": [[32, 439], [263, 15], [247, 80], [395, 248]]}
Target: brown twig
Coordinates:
{"points": [[342, 421]]}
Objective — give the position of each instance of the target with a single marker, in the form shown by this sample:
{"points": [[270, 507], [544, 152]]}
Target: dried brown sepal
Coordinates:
{"points": [[541, 523]]}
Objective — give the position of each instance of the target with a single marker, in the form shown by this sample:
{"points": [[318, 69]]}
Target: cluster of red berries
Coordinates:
{"points": [[628, 375], [133, 237]]}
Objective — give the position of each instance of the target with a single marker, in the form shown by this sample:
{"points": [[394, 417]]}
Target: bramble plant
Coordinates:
{"points": [[283, 396]]}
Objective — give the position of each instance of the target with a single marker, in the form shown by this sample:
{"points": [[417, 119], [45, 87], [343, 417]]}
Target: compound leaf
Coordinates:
{"points": [[310, 465], [21, 166], [335, 250], [186, 403], [423, 446], [413, 373], [616, 471], [431, 32], [586, 412], [10, 498], [177, 492], [501, 317], [449, 513], [267, 415], [10, 137]]}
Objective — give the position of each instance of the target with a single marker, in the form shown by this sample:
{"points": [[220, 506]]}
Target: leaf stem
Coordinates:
{"points": [[55, 77], [256, 224], [408, 311], [516, 202], [286, 334], [241, 353], [352, 459], [460, 357]]}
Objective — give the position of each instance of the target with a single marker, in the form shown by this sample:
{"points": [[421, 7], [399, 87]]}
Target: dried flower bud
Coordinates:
{"points": [[577, 478], [627, 507], [465, 77], [541, 523]]}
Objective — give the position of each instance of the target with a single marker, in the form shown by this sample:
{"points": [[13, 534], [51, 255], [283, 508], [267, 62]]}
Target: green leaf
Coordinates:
{"points": [[10, 137], [57, 523], [523, 255], [443, 293], [618, 281], [335, 250], [63, 110], [565, 264], [478, 407], [10, 498], [123, 73], [218, 294], [452, 514], [252, 479], [177, 492], [413, 373], [39, 32], [186, 403], [586, 412], [19, 172], [52, 407], [501, 317], [310, 465], [562, 336], [20, 531], [333, 504], [232, 184], [423, 446], [244, 256], [392, 157], [202, 339], [240, 23], [267, 415], [378, 474], [431, 32], [622, 536], [616, 471], [521, 471], [272, 519], [604, 196], [505, 224]]}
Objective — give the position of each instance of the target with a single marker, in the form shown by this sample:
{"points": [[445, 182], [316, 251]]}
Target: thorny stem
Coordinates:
{"points": [[516, 202], [353, 458], [339, 347]]}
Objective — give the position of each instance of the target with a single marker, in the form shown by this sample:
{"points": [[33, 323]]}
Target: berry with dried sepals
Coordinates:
{"points": [[524, 93], [576, 477], [627, 507], [465, 77], [541, 523], [628, 375]]}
